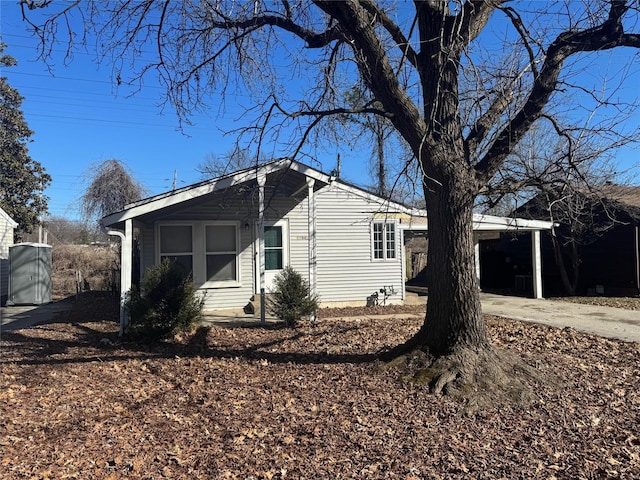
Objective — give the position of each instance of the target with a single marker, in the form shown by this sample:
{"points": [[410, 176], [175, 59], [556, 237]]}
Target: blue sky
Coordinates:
{"points": [[80, 119]]}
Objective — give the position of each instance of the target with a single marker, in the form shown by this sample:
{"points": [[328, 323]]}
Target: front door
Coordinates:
{"points": [[276, 251]]}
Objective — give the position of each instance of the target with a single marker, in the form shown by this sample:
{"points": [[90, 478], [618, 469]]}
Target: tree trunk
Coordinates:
{"points": [[454, 317], [575, 263], [570, 284], [451, 351]]}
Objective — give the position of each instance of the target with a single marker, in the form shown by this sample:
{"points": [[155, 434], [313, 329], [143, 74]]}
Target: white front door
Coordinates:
{"points": [[276, 251]]}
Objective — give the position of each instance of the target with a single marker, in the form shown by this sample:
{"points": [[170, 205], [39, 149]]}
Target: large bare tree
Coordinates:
{"points": [[296, 57]]}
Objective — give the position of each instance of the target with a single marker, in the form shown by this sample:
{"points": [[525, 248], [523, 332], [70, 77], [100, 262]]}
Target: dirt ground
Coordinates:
{"points": [[304, 403]]}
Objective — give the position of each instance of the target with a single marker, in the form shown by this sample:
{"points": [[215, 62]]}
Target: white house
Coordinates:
{"points": [[7, 228], [236, 232]]}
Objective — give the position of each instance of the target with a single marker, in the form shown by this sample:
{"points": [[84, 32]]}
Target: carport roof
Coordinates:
{"points": [[488, 223]]}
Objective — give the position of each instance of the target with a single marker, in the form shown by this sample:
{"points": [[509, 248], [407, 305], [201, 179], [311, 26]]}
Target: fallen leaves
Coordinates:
{"points": [[273, 403]]}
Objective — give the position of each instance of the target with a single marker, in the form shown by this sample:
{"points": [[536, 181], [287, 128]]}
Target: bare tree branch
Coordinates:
{"points": [[608, 35]]}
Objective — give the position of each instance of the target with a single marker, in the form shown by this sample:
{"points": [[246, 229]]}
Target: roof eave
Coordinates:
{"points": [[169, 199]]}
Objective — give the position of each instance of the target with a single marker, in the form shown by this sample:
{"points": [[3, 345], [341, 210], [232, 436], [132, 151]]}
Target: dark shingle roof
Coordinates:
{"points": [[626, 194]]}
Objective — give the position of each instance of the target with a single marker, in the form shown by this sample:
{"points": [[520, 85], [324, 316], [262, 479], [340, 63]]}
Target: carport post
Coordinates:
{"points": [[476, 251], [536, 261]]}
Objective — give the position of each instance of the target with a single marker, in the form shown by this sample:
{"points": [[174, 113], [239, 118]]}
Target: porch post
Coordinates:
{"points": [[261, 178], [126, 272], [638, 258], [476, 252], [311, 218], [536, 260]]}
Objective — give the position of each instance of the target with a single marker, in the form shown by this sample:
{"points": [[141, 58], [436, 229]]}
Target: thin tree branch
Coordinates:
{"points": [[394, 30], [608, 35]]}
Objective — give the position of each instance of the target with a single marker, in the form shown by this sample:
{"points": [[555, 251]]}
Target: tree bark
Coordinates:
{"points": [[570, 284], [454, 317]]}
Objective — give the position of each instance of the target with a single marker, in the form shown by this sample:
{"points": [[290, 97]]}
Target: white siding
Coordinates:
{"points": [[147, 248], [346, 270], [299, 238], [244, 215], [6, 240]]}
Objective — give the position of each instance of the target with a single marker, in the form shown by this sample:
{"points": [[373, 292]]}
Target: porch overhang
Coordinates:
{"points": [[276, 173], [284, 176]]}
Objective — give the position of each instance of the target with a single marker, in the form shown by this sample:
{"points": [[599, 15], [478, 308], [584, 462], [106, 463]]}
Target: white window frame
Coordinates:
{"points": [[386, 250], [222, 283], [199, 251], [160, 254]]}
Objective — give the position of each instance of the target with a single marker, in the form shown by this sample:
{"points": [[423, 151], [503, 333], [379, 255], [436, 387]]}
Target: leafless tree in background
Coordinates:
{"points": [[111, 187], [235, 159], [567, 175]]}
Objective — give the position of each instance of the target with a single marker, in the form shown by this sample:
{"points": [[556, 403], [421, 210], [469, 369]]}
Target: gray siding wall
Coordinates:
{"points": [[297, 219], [346, 269], [6, 240], [236, 296]]}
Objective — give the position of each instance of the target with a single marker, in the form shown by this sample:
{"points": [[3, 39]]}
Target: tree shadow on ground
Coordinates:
{"points": [[89, 333]]}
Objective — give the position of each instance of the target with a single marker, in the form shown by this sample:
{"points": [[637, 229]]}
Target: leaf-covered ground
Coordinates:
{"points": [[308, 403], [628, 303]]}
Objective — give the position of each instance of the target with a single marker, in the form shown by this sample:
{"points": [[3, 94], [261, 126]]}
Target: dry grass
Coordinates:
{"points": [[94, 262], [627, 303]]}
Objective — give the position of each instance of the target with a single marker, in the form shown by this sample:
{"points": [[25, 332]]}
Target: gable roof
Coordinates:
{"points": [[606, 204], [285, 165], [9, 220]]}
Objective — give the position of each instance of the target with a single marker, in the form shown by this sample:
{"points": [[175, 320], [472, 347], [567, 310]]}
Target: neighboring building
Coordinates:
{"points": [[609, 255], [7, 229], [236, 232]]}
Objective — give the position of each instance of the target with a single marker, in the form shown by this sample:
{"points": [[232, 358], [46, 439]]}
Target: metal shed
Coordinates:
{"points": [[29, 274]]}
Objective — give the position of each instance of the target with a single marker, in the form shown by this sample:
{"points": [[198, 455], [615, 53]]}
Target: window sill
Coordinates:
{"points": [[225, 284]]}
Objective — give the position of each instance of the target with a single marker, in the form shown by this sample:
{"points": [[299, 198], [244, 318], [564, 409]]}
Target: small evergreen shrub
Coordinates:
{"points": [[165, 303], [291, 299]]}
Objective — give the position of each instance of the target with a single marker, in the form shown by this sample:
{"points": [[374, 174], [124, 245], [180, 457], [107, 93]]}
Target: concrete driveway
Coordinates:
{"points": [[23, 316], [603, 321]]}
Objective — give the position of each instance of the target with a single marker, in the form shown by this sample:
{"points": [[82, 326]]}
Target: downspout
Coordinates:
{"points": [[125, 254]]}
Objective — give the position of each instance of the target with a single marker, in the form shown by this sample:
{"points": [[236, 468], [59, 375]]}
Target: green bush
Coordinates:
{"points": [[165, 303], [291, 299]]}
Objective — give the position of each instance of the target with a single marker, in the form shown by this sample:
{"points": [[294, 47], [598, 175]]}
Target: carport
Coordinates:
{"points": [[491, 226]]}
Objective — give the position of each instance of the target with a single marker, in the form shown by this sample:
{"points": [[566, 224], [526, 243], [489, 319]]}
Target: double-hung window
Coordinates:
{"points": [[176, 244], [208, 251], [384, 240], [221, 251]]}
